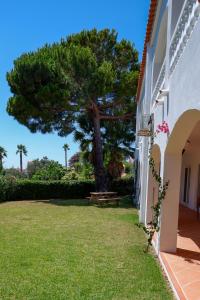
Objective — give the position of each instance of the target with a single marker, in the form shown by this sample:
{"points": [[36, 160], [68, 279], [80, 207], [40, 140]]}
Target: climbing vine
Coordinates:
{"points": [[154, 225]]}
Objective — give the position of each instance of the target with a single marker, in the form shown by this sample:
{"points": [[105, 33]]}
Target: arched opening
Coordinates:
{"points": [[181, 168], [153, 188]]}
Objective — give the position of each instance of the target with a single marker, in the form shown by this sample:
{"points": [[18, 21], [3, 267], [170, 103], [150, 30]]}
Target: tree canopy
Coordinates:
{"points": [[89, 74]]}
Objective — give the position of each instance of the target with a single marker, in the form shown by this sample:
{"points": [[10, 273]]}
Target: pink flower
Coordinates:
{"points": [[163, 128]]}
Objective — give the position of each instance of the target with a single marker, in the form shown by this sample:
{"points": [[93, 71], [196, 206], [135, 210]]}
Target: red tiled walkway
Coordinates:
{"points": [[184, 266]]}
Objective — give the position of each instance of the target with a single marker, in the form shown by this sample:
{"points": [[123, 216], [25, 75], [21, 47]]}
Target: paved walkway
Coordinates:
{"points": [[184, 266]]}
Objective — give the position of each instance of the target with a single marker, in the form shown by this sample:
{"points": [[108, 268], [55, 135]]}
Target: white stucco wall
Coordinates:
{"points": [[182, 81]]}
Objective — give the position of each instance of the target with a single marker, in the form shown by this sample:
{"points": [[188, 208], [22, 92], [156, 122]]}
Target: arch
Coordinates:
{"points": [[152, 192], [182, 131], [172, 172]]}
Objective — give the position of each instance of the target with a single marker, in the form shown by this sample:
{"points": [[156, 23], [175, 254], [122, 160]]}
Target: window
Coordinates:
{"points": [[160, 51], [186, 185], [177, 6], [198, 183]]}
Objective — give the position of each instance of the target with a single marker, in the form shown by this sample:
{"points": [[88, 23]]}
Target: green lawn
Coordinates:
{"points": [[69, 250]]}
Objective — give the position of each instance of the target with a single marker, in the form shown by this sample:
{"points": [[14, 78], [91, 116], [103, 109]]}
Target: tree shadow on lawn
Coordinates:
{"points": [[125, 202]]}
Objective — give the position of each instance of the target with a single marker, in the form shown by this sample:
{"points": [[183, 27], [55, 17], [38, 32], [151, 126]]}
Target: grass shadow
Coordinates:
{"points": [[126, 202], [64, 202]]}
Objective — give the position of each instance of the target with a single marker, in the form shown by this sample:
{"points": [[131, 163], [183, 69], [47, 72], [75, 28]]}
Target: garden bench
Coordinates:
{"points": [[108, 200], [103, 197]]}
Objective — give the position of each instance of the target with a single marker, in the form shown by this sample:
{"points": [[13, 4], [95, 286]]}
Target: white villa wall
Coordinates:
{"points": [[182, 79], [191, 159]]}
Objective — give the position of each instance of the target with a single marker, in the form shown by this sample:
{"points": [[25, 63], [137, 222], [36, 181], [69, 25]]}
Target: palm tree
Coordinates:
{"points": [[66, 148], [3, 153], [21, 149]]}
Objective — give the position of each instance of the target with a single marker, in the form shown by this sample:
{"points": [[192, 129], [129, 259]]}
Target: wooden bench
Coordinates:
{"points": [[103, 197], [108, 200]]}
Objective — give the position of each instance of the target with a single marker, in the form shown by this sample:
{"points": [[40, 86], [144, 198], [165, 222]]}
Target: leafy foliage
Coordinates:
{"points": [[12, 189], [16, 173], [74, 159], [21, 149], [37, 164], [70, 175], [3, 154], [90, 75], [51, 171], [8, 188]]}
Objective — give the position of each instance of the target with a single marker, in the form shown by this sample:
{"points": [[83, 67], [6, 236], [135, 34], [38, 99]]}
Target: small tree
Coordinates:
{"points": [[90, 73], [74, 159], [66, 148], [21, 150], [37, 164], [52, 171], [3, 154]]}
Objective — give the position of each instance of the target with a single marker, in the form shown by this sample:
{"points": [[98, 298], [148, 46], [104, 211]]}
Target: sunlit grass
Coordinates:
{"points": [[69, 250]]}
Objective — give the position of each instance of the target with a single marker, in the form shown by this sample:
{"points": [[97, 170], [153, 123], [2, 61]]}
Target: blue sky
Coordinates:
{"points": [[27, 25]]}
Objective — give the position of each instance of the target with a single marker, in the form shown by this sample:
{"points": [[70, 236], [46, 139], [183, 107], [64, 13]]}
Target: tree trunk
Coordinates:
{"points": [[66, 158], [99, 171], [1, 163], [21, 165]]}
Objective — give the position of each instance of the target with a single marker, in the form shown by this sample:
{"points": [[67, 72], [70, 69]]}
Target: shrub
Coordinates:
{"points": [[8, 186], [11, 189], [52, 171], [123, 186], [70, 175], [36, 190], [13, 172]]}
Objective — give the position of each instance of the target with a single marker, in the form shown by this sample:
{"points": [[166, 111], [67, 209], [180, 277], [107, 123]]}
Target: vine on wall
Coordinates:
{"points": [[154, 225]]}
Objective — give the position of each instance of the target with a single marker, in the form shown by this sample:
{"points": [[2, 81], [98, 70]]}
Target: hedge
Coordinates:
{"points": [[39, 190]]}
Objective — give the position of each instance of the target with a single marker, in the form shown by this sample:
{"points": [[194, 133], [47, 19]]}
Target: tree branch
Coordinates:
{"points": [[123, 117], [110, 105]]}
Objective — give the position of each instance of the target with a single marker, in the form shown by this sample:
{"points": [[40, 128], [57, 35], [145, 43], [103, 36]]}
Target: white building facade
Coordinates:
{"points": [[169, 91]]}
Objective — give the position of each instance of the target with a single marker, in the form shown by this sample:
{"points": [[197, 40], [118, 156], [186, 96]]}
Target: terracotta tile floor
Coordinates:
{"points": [[184, 266]]}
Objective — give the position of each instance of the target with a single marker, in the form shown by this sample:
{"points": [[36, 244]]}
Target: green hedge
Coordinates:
{"points": [[36, 190], [123, 186]]}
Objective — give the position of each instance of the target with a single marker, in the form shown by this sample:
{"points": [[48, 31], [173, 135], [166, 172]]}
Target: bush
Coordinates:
{"points": [[12, 172], [11, 189], [70, 175], [8, 187], [123, 186], [36, 190], [52, 171]]}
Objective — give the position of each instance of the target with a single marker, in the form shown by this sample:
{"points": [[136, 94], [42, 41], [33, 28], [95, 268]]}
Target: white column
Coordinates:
{"points": [[170, 207], [149, 202]]}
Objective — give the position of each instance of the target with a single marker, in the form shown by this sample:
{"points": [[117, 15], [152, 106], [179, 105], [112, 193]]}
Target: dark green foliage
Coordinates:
{"points": [[123, 186], [37, 190], [129, 167], [37, 164], [51, 171], [15, 173], [90, 75], [74, 159], [3, 154], [10, 189]]}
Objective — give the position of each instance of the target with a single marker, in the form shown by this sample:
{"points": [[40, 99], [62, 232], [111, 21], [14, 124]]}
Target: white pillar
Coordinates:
{"points": [[170, 206], [149, 199]]}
